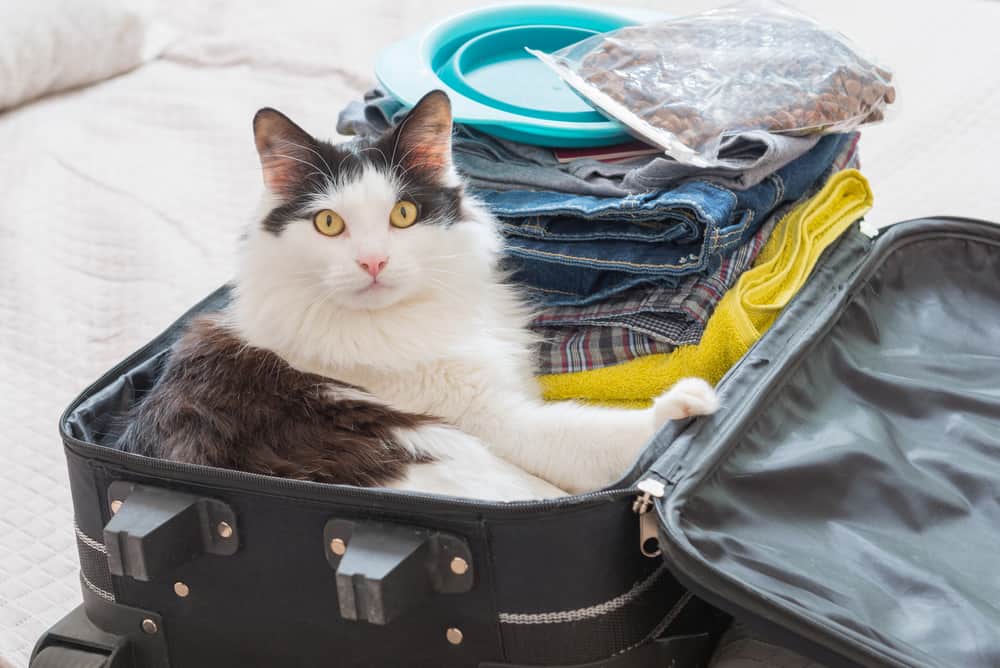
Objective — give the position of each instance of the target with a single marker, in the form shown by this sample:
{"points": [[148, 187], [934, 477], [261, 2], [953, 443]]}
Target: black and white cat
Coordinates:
{"points": [[370, 265]]}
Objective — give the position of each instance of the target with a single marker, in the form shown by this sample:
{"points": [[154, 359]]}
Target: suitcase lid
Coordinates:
{"points": [[847, 496]]}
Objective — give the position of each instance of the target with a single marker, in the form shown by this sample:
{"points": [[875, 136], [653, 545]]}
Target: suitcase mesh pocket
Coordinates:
{"points": [[94, 572]]}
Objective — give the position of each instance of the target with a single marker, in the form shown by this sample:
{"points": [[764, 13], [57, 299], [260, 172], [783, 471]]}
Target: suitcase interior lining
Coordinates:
{"points": [[864, 496], [102, 411], [102, 418]]}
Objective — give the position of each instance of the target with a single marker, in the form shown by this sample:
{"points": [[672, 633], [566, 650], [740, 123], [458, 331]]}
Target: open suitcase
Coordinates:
{"points": [[844, 503]]}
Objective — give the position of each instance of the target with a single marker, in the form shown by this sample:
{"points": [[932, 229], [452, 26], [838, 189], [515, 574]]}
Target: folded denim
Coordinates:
{"points": [[572, 250], [668, 315], [672, 315], [641, 322], [746, 311], [490, 163]]}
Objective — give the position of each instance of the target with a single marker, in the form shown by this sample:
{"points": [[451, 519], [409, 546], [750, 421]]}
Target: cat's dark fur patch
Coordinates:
{"points": [[221, 402], [415, 154]]}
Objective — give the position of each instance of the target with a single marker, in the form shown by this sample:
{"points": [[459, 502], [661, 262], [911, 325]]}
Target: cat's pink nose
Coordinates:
{"points": [[373, 264]]}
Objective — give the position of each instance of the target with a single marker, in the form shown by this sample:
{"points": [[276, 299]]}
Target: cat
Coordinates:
{"points": [[371, 339]]}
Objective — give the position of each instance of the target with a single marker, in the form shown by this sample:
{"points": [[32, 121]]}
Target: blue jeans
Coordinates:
{"points": [[579, 249]]}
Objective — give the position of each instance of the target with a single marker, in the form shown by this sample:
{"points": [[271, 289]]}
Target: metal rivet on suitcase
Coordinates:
{"points": [[454, 636], [116, 505], [181, 589], [338, 546], [459, 566], [225, 529], [149, 626]]}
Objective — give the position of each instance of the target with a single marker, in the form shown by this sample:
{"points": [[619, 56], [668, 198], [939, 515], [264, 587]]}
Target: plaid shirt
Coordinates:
{"points": [[623, 331], [649, 321], [576, 349]]}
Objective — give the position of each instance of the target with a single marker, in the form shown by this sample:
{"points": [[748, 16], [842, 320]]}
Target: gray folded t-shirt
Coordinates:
{"points": [[491, 163]]}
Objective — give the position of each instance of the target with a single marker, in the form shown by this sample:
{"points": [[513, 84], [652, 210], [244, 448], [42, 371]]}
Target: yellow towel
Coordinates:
{"points": [[743, 314]]}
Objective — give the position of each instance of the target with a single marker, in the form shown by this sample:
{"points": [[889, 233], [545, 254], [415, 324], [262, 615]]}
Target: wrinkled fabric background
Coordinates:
{"points": [[120, 203]]}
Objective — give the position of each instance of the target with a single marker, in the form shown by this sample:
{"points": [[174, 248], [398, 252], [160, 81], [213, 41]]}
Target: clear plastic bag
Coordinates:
{"points": [[685, 83]]}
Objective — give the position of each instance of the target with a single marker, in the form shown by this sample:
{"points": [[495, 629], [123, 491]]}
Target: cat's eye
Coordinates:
{"points": [[328, 222], [403, 214]]}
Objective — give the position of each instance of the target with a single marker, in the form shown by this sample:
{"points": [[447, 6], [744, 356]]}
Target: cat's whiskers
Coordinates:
{"points": [[320, 300], [275, 154], [311, 281], [340, 164], [315, 168], [309, 273], [444, 272], [399, 133], [319, 155], [447, 257], [443, 257], [371, 148], [447, 288], [402, 160], [312, 173], [306, 272]]}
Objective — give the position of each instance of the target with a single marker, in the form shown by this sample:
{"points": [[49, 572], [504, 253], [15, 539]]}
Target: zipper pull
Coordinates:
{"points": [[868, 229], [649, 537]]}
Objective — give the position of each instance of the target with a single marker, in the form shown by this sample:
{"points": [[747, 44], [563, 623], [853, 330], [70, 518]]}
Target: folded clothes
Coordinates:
{"points": [[743, 314], [566, 350], [646, 324], [490, 163], [675, 316], [572, 250], [670, 315]]}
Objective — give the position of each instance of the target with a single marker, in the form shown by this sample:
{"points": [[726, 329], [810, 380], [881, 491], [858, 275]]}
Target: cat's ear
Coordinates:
{"points": [[423, 138], [287, 152]]}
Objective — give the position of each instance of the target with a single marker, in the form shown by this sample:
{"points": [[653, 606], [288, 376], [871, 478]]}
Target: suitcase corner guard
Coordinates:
{"points": [[384, 569]]}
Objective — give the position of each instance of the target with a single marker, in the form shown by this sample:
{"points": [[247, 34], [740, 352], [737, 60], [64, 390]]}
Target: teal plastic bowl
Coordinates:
{"points": [[478, 58], [489, 67]]}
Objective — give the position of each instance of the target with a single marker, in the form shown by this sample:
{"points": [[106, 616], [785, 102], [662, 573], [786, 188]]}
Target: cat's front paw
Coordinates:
{"points": [[689, 396]]}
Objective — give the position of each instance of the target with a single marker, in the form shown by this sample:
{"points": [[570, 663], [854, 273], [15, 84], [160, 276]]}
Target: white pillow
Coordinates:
{"points": [[51, 45]]}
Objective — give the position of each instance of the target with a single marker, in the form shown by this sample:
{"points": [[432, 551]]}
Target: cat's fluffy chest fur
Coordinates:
{"points": [[453, 389], [464, 389]]}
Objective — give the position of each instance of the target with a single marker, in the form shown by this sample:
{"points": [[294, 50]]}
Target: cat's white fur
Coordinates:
{"points": [[441, 335]]}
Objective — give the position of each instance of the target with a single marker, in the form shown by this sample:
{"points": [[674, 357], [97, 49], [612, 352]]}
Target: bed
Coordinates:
{"points": [[120, 202]]}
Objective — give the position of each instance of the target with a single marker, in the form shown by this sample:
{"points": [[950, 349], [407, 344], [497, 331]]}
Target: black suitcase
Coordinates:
{"points": [[844, 503]]}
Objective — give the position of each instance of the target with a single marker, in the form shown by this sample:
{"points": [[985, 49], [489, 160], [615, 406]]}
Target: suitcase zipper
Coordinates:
{"points": [[365, 496], [649, 537]]}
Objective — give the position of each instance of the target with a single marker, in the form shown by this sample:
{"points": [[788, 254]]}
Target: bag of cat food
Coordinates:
{"points": [[685, 83]]}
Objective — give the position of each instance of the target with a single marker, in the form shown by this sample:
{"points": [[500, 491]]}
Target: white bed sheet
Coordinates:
{"points": [[120, 203]]}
